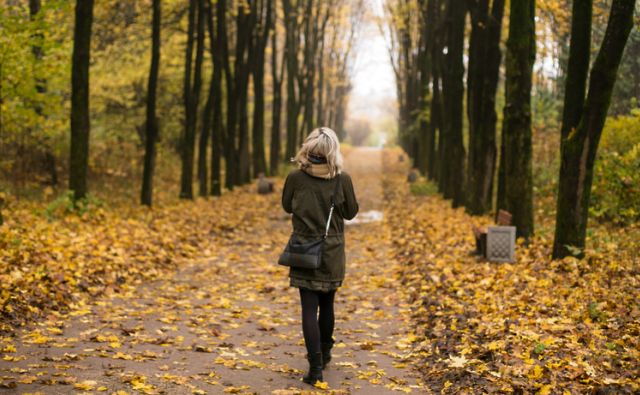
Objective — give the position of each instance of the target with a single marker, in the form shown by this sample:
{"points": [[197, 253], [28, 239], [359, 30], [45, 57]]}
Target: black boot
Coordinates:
{"points": [[315, 368], [326, 353]]}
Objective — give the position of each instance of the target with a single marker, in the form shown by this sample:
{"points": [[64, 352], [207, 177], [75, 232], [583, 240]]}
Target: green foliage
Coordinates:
{"points": [[621, 133], [65, 205], [38, 121], [423, 187], [29, 116], [594, 313], [539, 348], [616, 186]]}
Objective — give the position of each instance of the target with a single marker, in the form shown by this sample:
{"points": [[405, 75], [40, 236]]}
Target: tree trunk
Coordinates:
{"points": [[230, 150], [577, 67], [274, 154], [262, 37], [146, 196], [205, 134], [244, 42], [309, 69], [41, 87], [217, 132], [580, 145], [426, 65], [191, 98], [321, 86], [291, 54], [482, 84], [207, 112], [517, 185], [203, 144], [435, 110], [36, 49], [453, 91], [80, 123]]}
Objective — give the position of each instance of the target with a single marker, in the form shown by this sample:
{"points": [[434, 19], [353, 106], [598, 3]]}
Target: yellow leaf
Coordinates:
{"points": [[86, 385], [323, 385], [545, 390]]}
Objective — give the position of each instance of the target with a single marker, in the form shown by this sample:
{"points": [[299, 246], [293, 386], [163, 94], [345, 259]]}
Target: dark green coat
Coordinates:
{"points": [[308, 198]]}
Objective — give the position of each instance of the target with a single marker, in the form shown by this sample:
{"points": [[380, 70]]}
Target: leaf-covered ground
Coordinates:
{"points": [[225, 321], [187, 299], [535, 326]]}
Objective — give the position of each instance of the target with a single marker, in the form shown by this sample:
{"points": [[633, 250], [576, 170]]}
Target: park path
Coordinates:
{"points": [[231, 324]]}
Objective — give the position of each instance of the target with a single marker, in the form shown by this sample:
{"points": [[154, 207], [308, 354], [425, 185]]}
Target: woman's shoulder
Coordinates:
{"points": [[344, 175], [295, 173]]}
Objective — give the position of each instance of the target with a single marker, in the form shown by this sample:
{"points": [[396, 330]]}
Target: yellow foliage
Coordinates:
{"points": [[504, 322]]}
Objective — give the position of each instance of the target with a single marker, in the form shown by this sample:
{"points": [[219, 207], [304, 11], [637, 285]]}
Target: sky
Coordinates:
{"points": [[374, 91]]}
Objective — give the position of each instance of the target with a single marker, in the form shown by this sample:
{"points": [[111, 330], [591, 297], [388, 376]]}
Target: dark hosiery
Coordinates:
{"points": [[326, 318], [316, 329]]}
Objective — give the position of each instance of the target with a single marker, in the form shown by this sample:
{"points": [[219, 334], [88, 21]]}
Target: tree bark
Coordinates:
{"points": [[580, 145], [146, 196], [229, 138], [577, 66], [41, 87], [207, 114], [482, 84], [192, 95], [453, 92], [80, 122], [244, 44], [217, 132], [36, 49], [262, 37], [277, 77], [516, 194], [291, 54], [435, 111], [424, 80], [203, 143]]}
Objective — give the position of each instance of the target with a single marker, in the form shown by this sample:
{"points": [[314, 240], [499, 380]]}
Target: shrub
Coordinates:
{"points": [[616, 185], [64, 205], [423, 187]]}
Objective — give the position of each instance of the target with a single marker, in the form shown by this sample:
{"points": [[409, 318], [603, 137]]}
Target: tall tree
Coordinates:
{"points": [[515, 189], [245, 26], [316, 18], [264, 10], [426, 138], [151, 136], [436, 111], [229, 137], [207, 112], [216, 49], [80, 123], [452, 177], [582, 124], [277, 74], [190, 107], [35, 7], [482, 84], [406, 55], [41, 83], [292, 27]]}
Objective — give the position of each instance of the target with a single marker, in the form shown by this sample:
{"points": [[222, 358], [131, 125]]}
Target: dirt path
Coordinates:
{"points": [[229, 324]]}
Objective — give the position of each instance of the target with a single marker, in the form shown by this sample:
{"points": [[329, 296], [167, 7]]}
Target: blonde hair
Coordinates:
{"points": [[324, 142]]}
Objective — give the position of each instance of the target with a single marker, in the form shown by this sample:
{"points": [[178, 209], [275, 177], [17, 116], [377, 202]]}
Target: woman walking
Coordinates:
{"points": [[307, 194]]}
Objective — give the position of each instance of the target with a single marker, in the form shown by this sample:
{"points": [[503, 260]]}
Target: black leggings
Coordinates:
{"points": [[317, 328]]}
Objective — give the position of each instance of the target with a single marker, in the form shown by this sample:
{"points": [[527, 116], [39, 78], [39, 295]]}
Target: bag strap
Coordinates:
{"points": [[333, 204]]}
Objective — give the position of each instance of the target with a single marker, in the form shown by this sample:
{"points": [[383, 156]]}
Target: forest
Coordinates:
{"points": [[134, 136]]}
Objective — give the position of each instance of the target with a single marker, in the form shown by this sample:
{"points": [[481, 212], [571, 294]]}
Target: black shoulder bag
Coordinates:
{"points": [[307, 255]]}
